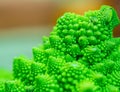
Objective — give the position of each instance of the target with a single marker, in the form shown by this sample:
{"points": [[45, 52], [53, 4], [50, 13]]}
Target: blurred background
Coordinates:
{"points": [[24, 22]]}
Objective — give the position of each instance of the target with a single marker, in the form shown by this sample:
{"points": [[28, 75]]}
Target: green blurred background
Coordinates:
{"points": [[24, 22]]}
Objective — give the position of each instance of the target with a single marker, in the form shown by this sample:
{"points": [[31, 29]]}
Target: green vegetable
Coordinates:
{"points": [[80, 55]]}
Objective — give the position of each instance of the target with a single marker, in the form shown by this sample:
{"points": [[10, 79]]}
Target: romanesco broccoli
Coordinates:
{"points": [[80, 55]]}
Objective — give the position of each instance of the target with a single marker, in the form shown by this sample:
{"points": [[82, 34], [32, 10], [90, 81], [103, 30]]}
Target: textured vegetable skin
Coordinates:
{"points": [[80, 55]]}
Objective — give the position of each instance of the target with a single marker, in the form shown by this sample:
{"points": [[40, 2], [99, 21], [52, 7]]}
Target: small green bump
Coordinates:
{"points": [[69, 58], [86, 86], [81, 32], [95, 28], [83, 41], [89, 32], [85, 24], [80, 24], [97, 33], [103, 37], [92, 40], [65, 31], [76, 26], [68, 39], [70, 26], [71, 32], [75, 48]]}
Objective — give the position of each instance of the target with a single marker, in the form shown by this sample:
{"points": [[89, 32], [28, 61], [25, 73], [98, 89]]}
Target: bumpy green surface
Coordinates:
{"points": [[80, 55]]}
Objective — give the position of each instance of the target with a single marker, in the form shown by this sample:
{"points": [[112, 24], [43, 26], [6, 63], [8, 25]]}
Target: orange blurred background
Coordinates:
{"points": [[19, 13]]}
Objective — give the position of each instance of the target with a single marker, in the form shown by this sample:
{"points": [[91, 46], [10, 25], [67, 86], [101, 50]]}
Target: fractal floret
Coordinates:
{"points": [[80, 55]]}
